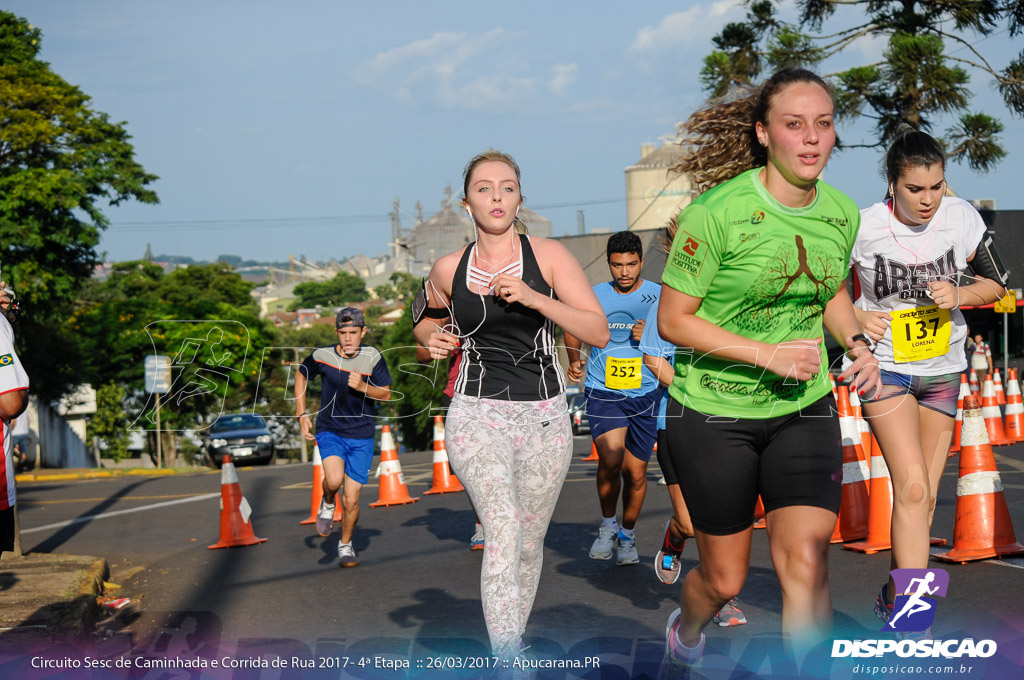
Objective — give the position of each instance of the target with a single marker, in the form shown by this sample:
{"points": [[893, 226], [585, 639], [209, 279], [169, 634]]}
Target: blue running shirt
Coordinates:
{"points": [[619, 366]]}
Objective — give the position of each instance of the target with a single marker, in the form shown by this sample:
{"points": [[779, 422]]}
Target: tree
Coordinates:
{"points": [[61, 163], [202, 316], [344, 287], [924, 73], [109, 423]]}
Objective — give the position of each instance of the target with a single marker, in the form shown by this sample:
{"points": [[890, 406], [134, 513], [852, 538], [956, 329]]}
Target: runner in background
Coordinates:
{"points": [[910, 252], [658, 357], [13, 401], [622, 398], [981, 356], [353, 378]]}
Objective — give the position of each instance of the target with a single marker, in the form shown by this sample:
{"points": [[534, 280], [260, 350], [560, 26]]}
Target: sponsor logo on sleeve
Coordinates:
{"points": [[689, 256]]}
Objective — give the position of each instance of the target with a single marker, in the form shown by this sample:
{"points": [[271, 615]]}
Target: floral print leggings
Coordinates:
{"points": [[512, 457]]}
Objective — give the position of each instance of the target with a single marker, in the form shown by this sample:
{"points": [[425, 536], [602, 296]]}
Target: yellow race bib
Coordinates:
{"points": [[919, 333], [622, 374]]}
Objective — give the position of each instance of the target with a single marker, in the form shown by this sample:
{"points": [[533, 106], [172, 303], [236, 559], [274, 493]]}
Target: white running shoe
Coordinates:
{"points": [[325, 519], [603, 544]]}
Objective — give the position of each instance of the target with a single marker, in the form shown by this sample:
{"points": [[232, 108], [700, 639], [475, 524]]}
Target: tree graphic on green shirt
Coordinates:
{"points": [[793, 288]]}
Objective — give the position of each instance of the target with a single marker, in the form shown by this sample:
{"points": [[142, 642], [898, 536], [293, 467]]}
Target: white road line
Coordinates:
{"points": [[89, 518]]}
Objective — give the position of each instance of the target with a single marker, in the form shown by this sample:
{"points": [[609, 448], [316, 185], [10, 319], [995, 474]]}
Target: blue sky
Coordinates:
{"points": [[284, 129]]}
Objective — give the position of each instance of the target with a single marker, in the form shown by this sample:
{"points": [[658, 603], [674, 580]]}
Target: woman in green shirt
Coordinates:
{"points": [[757, 263]]}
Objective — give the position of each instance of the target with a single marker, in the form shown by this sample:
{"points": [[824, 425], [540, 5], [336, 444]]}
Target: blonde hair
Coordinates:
{"points": [[495, 156]]}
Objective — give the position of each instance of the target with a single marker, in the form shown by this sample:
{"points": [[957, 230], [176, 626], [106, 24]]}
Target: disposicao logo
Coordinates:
{"points": [[913, 612]]}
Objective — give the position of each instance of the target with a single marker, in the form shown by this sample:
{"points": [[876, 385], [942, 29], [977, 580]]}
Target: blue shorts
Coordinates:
{"points": [[935, 392], [357, 454], [609, 411]]}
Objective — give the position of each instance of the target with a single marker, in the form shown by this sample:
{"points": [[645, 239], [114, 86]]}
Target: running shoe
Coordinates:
{"points": [[627, 551], [883, 610], [324, 519], [603, 544], [729, 615], [347, 555], [477, 540], [666, 563], [679, 661]]}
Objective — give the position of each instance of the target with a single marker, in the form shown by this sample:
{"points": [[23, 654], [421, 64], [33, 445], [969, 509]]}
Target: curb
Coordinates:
{"points": [[68, 614], [65, 475]]}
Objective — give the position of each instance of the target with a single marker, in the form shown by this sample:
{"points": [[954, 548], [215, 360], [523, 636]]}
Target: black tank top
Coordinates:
{"points": [[508, 350]]}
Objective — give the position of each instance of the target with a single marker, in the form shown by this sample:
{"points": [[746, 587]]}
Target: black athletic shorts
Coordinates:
{"points": [[668, 470], [721, 466]]}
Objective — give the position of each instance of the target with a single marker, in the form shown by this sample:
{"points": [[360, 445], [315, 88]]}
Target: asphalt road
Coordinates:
{"points": [[415, 593]]}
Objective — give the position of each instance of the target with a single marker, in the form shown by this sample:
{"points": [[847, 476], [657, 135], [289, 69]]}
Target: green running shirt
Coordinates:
{"points": [[764, 271]]}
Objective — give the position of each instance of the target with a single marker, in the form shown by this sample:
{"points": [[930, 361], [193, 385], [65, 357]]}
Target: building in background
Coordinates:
{"points": [[653, 194]]}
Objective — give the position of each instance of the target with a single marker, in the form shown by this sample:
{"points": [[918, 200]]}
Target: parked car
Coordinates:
{"points": [[578, 414], [244, 436]]}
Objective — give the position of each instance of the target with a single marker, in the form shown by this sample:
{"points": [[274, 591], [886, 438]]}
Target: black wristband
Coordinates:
{"points": [[864, 338]]}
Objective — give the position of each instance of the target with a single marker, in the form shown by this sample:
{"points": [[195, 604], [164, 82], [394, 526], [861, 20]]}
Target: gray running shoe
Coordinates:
{"points": [[729, 615], [627, 551], [666, 563], [347, 556], [603, 544], [324, 519]]}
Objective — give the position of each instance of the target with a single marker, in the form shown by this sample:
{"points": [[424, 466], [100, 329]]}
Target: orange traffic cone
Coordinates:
{"points": [[993, 418], [983, 528], [863, 442], [318, 490], [832, 378], [759, 521], [1014, 408], [997, 383], [852, 523], [974, 382], [880, 510], [958, 422], [235, 529], [593, 452], [392, 482], [444, 480]]}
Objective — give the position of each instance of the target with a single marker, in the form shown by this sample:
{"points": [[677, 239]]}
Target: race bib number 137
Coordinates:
{"points": [[920, 333]]}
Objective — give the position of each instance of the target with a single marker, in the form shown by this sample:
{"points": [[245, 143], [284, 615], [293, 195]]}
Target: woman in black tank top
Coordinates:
{"points": [[507, 434]]}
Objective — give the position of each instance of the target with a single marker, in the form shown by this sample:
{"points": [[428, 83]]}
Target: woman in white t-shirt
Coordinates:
{"points": [[909, 255]]}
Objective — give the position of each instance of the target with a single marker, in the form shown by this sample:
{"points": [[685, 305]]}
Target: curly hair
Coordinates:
{"points": [[720, 138]]}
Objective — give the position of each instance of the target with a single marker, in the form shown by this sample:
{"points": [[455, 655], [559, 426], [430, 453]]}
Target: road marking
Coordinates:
{"points": [[1009, 461], [94, 500], [89, 518]]}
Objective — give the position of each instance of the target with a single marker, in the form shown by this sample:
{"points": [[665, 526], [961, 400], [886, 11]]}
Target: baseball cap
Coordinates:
{"points": [[349, 316]]}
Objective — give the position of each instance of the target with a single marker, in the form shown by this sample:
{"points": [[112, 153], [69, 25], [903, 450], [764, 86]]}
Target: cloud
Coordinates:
{"points": [[564, 76], [445, 68], [681, 30], [871, 47]]}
